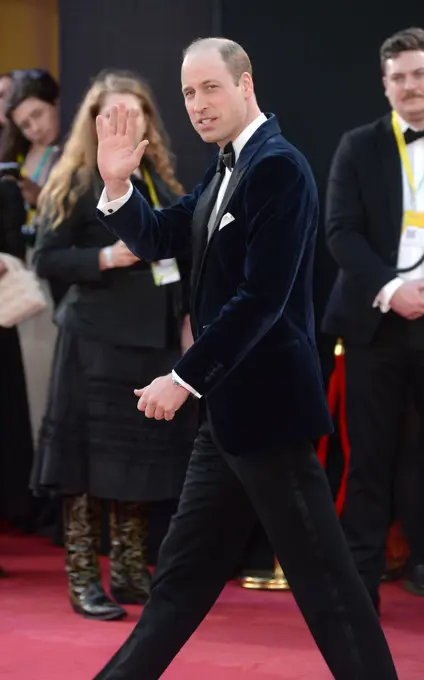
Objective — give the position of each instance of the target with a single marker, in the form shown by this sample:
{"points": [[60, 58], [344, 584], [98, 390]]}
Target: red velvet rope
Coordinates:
{"points": [[336, 397]]}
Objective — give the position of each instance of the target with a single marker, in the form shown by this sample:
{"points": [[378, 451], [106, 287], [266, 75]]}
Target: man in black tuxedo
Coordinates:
{"points": [[252, 224], [375, 215]]}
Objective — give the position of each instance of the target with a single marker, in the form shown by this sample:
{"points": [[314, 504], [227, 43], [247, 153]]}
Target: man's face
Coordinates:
{"points": [[404, 84], [216, 105], [5, 87]]}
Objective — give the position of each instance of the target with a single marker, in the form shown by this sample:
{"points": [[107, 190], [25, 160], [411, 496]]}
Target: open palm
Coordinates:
{"points": [[118, 153]]}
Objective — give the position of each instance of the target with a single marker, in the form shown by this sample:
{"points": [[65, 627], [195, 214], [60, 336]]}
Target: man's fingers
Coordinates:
{"points": [[149, 410], [139, 152], [169, 415], [141, 404], [100, 127], [131, 125], [121, 123], [139, 392], [159, 413], [113, 121]]}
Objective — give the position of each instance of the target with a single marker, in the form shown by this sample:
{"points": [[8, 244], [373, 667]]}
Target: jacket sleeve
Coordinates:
{"points": [[153, 234], [56, 254], [281, 210], [346, 223]]}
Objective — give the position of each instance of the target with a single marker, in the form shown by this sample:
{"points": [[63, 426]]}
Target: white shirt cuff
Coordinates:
{"points": [[108, 207], [181, 382], [386, 293]]}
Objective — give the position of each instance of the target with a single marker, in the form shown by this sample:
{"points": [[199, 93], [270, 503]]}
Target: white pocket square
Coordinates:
{"points": [[227, 218]]}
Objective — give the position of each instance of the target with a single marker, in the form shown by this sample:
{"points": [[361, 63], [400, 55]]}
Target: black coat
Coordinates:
{"points": [[363, 223]]}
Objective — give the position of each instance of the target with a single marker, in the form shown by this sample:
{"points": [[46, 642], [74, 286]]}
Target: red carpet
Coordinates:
{"points": [[247, 636]]}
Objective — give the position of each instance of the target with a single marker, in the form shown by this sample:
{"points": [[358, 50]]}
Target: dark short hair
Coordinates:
{"points": [[233, 54], [34, 82], [408, 40], [37, 83]]}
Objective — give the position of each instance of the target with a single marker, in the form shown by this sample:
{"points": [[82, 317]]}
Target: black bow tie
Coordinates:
{"points": [[227, 158], [413, 135]]}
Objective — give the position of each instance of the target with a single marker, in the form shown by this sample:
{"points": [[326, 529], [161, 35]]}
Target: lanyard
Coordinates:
{"points": [[30, 212], [151, 188], [42, 163], [400, 139]]}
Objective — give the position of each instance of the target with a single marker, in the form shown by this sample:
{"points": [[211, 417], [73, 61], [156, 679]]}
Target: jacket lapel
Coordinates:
{"points": [[235, 178], [199, 224], [392, 173]]}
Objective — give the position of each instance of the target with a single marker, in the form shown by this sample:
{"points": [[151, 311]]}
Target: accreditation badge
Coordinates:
{"points": [[412, 244], [165, 272]]}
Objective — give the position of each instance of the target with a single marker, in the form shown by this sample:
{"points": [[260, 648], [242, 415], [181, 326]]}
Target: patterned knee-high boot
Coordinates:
{"points": [[129, 576], [82, 538]]}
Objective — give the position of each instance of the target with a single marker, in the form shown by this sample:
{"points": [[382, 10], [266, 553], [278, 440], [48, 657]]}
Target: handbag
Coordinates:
{"points": [[21, 295]]}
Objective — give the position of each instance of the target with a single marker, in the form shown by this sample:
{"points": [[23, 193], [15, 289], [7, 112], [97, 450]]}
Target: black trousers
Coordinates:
{"points": [[220, 500], [383, 380]]}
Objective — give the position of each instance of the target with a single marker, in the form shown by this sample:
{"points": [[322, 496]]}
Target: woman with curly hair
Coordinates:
{"points": [[117, 329]]}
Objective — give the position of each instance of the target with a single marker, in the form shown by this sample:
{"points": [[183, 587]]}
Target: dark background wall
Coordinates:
{"points": [[145, 36]]}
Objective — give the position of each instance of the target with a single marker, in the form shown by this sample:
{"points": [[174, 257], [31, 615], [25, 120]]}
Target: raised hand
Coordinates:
{"points": [[118, 152]]}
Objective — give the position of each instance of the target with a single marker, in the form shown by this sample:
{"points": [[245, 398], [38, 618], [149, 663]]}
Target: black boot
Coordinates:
{"points": [[82, 535], [129, 576]]}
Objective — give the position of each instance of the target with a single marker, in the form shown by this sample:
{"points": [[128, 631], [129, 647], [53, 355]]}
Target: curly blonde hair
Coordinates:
{"points": [[73, 173]]}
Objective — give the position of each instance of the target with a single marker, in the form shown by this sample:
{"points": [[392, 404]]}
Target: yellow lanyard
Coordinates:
{"points": [[151, 188], [400, 139]]}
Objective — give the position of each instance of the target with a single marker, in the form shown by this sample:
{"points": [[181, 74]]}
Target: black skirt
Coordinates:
{"points": [[94, 440]]}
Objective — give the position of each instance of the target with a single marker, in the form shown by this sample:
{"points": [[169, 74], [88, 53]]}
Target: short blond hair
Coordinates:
{"points": [[233, 55]]}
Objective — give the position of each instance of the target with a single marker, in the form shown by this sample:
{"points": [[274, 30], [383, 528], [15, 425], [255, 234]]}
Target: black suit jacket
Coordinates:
{"points": [[363, 222], [254, 358]]}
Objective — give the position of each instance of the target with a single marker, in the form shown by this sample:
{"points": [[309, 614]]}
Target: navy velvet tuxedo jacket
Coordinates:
{"points": [[254, 359]]}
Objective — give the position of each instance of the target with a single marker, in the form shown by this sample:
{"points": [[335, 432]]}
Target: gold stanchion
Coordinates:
{"points": [[266, 579]]}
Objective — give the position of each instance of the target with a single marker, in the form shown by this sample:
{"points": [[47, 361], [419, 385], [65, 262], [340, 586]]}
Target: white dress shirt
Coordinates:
{"points": [[108, 207], [415, 152]]}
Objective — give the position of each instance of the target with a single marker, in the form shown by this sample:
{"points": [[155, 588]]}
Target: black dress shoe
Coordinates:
{"points": [[414, 583], [133, 593], [91, 602]]}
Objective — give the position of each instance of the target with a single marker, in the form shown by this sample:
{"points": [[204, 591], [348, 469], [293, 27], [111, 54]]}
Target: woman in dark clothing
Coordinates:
{"points": [[30, 125], [117, 329]]}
